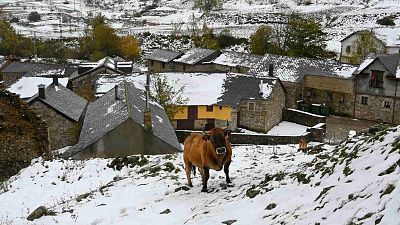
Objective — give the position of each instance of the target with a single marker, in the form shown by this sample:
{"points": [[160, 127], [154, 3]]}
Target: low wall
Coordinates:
{"points": [[303, 118], [258, 139]]}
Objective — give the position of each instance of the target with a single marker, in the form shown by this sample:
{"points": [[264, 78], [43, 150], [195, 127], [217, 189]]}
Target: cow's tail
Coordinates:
{"points": [[194, 170]]}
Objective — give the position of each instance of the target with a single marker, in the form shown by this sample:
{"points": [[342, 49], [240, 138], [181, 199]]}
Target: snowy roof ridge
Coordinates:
{"points": [[195, 55]]}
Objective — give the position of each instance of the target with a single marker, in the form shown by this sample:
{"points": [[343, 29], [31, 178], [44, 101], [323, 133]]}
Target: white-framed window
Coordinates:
{"points": [[252, 106]]}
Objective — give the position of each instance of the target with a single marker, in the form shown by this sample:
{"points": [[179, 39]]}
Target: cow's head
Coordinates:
{"points": [[218, 137]]}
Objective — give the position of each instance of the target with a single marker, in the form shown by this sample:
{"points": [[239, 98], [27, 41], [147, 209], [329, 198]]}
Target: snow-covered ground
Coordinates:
{"points": [[357, 182]]}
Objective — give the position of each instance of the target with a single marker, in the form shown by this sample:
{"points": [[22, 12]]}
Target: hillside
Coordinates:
{"points": [[356, 182], [66, 18]]}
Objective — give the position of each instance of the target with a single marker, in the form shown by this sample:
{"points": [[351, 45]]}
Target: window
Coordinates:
{"points": [[364, 100], [152, 63], [209, 108], [163, 65], [348, 49], [184, 67], [376, 80], [387, 104], [220, 107], [329, 97], [252, 106], [342, 98]]}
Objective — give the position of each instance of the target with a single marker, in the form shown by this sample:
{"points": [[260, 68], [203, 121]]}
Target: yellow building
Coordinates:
{"points": [[199, 117]]}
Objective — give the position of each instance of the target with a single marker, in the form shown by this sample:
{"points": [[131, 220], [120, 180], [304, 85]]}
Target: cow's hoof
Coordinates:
{"points": [[204, 190]]}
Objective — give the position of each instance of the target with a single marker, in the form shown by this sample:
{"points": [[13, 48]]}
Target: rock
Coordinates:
{"points": [[169, 167], [39, 212], [229, 222], [165, 211], [183, 188], [251, 193]]}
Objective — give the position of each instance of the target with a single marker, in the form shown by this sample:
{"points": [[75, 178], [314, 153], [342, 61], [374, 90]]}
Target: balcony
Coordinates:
{"points": [[376, 84]]}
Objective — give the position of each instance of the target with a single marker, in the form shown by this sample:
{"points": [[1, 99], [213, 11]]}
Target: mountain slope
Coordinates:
{"points": [[356, 182]]}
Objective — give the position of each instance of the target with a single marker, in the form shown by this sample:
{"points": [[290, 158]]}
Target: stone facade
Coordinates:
{"points": [[265, 114], [293, 93], [159, 67], [374, 108], [303, 118], [337, 93], [62, 131]]}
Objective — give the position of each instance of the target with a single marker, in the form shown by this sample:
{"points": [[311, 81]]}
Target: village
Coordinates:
{"points": [[116, 113]]}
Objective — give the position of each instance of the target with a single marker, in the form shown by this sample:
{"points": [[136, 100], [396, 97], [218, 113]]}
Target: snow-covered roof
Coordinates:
{"points": [[26, 87], [390, 61], [293, 69], [237, 59], [389, 36], [163, 55], [63, 101], [199, 88], [238, 87], [36, 69], [196, 55], [106, 113]]}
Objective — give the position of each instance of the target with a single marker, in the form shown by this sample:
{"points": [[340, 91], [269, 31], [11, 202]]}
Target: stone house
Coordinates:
{"points": [[385, 38], [122, 123], [313, 80], [16, 70], [258, 103], [160, 60], [196, 60], [83, 81], [62, 111], [376, 88], [236, 62]]}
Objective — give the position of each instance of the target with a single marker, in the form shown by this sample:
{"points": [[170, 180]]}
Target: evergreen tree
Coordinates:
{"points": [[304, 38], [261, 41]]}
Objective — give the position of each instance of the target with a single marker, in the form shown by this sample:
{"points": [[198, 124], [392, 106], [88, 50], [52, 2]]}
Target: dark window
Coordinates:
{"points": [[252, 106], [348, 49], [210, 108], [184, 67], [152, 63], [387, 104], [364, 100], [376, 80], [329, 96], [220, 107], [163, 65]]}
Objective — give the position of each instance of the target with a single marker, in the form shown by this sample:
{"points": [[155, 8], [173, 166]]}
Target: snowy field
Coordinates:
{"points": [[66, 18], [357, 181]]}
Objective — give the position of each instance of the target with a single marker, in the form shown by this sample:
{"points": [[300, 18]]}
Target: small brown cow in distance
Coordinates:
{"points": [[207, 151]]}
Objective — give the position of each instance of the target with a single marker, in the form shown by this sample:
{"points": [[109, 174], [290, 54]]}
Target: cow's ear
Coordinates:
{"points": [[206, 137]]}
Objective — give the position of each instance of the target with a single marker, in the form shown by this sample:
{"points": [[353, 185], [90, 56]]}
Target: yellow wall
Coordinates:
{"points": [[217, 113]]}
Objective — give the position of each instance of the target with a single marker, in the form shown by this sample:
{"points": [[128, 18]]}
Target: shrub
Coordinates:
{"points": [[386, 21], [34, 16]]}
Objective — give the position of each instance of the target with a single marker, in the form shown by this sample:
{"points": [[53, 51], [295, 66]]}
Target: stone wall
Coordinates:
{"points": [[261, 139], [303, 118], [375, 110], [62, 131], [293, 93], [267, 113]]}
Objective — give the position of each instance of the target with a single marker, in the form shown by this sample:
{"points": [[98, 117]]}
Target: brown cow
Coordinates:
{"points": [[207, 151]]}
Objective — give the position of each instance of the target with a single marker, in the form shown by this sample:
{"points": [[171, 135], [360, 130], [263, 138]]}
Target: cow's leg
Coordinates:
{"points": [[188, 169], [206, 172], [226, 170]]}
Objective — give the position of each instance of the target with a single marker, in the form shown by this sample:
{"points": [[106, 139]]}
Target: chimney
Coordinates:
{"points": [[116, 92], [55, 80], [147, 114], [41, 88], [271, 70], [115, 64]]}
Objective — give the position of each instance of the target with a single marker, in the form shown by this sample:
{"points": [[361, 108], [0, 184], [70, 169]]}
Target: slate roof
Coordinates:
{"points": [[390, 61], [37, 69], [195, 55], [163, 55], [119, 67], [293, 69], [106, 113], [234, 59], [63, 101], [238, 87]]}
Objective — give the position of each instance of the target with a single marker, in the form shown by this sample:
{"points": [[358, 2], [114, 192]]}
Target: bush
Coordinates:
{"points": [[34, 16], [386, 21]]}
